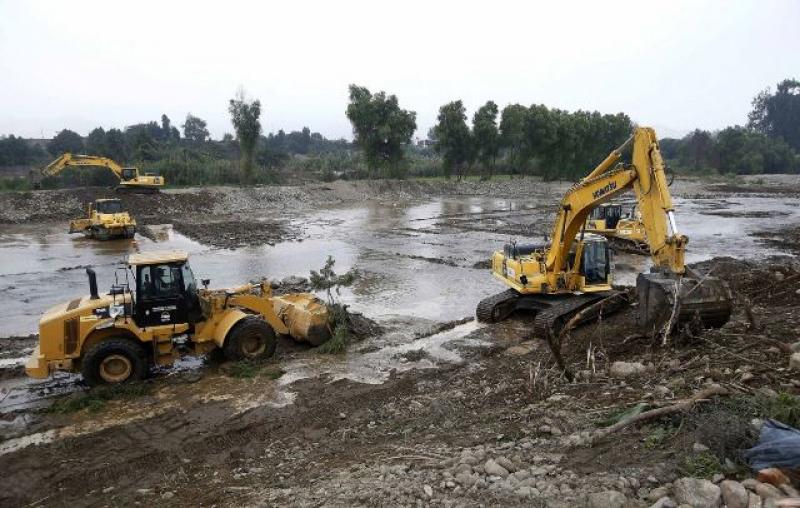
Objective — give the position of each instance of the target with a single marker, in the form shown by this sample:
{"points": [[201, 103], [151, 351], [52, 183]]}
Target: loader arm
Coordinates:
{"points": [[646, 176]]}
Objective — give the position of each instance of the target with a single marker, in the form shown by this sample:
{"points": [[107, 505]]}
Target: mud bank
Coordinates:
{"points": [[424, 434]]}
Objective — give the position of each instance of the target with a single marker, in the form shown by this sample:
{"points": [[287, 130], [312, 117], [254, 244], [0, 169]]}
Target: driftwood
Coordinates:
{"points": [[663, 411]]}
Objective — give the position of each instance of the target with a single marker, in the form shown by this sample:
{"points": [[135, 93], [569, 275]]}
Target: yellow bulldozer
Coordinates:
{"points": [[622, 225], [130, 179], [118, 336], [561, 281], [105, 220]]}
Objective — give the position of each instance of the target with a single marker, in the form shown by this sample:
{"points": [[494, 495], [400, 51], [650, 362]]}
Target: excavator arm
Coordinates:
{"points": [[69, 159], [646, 177]]}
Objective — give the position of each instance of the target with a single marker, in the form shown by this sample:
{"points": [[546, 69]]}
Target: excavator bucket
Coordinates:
{"points": [[707, 299], [305, 315]]}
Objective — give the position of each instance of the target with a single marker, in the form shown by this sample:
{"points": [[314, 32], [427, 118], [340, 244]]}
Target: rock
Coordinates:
{"points": [[108, 490], [342, 416], [750, 484], [494, 469], [664, 502], [696, 493], [144, 492], [428, 490], [734, 495], [466, 480], [773, 476], [698, 447], [607, 499], [626, 369], [167, 495], [718, 477], [754, 501], [506, 464], [462, 468], [779, 276], [794, 361], [466, 458], [657, 493], [796, 345], [789, 490], [525, 491], [747, 377], [767, 491]]}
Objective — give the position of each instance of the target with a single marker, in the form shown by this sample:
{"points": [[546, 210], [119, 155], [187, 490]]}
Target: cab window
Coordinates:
{"points": [[109, 207], [189, 284], [160, 281]]}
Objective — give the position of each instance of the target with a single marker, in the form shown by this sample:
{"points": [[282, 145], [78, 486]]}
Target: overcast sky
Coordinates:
{"points": [[675, 65]]}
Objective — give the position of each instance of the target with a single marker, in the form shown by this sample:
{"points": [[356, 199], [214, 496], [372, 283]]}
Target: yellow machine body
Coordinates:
{"points": [[624, 229], [105, 220], [161, 328], [130, 179], [558, 279]]}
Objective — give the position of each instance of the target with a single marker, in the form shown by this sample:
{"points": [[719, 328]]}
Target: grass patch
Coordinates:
{"points": [[336, 344], [95, 399], [273, 372], [243, 370], [703, 465], [660, 436]]}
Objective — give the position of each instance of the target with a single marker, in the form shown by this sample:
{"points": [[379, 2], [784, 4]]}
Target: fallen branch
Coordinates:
{"points": [[663, 411]]}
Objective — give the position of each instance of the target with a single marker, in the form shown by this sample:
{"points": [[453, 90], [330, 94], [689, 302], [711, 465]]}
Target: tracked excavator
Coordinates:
{"points": [[573, 272], [130, 180]]}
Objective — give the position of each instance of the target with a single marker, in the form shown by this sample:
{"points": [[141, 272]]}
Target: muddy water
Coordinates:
{"points": [[393, 246], [416, 263]]}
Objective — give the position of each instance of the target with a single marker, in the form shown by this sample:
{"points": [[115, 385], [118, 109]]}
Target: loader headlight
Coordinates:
{"points": [[115, 310]]}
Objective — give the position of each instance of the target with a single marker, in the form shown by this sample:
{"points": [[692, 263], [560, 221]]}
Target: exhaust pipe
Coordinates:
{"points": [[92, 284]]}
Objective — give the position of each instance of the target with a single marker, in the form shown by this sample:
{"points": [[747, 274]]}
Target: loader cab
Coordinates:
{"points": [[108, 206], [166, 290]]}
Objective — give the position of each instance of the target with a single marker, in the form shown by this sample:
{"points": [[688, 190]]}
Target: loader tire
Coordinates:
{"points": [[250, 339], [114, 361]]}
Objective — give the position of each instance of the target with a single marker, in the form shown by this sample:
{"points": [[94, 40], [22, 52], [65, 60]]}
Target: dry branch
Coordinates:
{"points": [[663, 411]]}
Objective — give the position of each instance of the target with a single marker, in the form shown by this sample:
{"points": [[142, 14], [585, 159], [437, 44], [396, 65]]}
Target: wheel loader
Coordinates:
{"points": [[106, 220], [621, 224], [563, 280], [155, 311]]}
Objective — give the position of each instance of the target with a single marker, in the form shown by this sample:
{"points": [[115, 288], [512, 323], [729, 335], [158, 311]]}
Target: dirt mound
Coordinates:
{"points": [[231, 234]]}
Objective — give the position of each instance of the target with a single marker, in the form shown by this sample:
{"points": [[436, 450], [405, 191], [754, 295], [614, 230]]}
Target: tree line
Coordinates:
{"points": [[519, 139], [768, 143]]}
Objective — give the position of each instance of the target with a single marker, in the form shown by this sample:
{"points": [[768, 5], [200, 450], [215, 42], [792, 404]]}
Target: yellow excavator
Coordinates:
{"points": [[572, 273], [106, 219], [621, 224], [117, 337], [130, 180]]}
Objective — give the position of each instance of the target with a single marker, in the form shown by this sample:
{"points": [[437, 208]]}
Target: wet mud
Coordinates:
{"points": [[425, 380]]}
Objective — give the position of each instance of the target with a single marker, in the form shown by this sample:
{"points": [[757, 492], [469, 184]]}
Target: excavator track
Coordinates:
{"points": [[497, 307], [563, 308], [552, 311], [623, 245]]}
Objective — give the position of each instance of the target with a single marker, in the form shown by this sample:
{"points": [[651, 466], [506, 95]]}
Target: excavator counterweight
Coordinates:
{"points": [[571, 278]]}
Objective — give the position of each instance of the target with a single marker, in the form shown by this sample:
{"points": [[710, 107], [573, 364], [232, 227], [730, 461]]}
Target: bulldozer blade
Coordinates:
{"points": [[707, 299]]}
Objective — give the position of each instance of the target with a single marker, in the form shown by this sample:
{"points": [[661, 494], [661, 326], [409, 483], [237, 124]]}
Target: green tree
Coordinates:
{"points": [[115, 147], [66, 141], [487, 137], [381, 129], [194, 129], [96, 142], [245, 115], [454, 141], [778, 115], [513, 136]]}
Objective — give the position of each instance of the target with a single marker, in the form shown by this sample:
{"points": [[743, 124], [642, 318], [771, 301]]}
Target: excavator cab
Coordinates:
{"points": [[610, 213], [128, 174]]}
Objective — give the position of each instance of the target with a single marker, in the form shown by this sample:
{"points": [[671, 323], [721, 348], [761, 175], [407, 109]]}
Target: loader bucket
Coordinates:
{"points": [[707, 299], [305, 315]]}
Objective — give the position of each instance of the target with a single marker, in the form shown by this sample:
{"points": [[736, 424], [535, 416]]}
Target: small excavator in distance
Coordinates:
{"points": [[572, 273], [105, 220], [621, 224], [130, 180], [117, 337]]}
